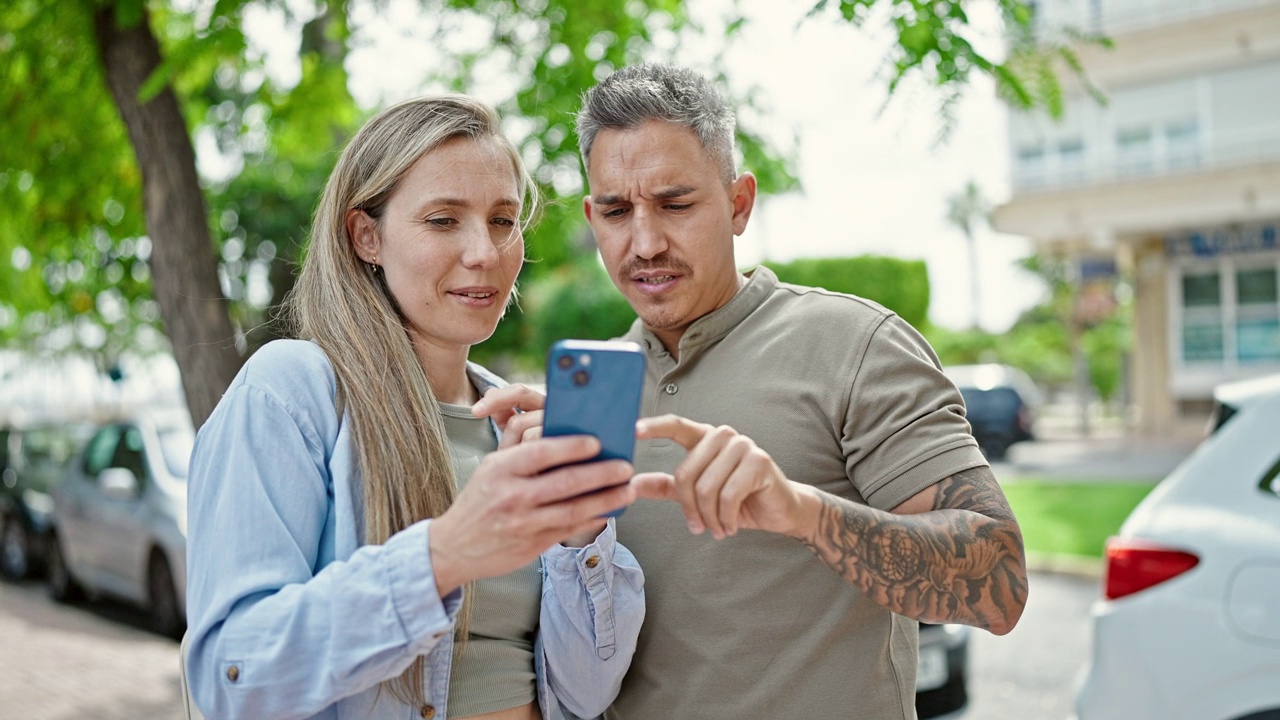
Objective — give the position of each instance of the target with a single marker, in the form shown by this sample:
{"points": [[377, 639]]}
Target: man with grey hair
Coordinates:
{"points": [[818, 423]]}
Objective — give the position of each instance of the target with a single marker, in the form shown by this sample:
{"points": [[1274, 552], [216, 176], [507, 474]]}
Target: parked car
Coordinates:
{"points": [[1189, 625], [32, 460], [120, 518], [942, 677], [1000, 403]]}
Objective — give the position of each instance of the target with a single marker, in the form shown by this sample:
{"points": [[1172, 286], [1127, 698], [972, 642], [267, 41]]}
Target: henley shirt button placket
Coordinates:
{"points": [[671, 389]]}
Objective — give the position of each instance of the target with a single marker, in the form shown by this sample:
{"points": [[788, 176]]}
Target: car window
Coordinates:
{"points": [[1222, 412], [101, 449], [1271, 481], [131, 453], [44, 455], [175, 445]]}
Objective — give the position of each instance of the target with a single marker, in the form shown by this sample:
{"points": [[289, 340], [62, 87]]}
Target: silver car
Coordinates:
{"points": [[120, 518]]}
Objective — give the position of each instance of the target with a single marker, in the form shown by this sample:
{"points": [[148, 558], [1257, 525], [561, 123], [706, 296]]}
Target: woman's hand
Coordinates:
{"points": [[516, 410], [515, 506]]}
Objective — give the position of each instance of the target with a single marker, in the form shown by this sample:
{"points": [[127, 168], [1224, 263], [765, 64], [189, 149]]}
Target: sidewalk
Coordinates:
{"points": [[1109, 452]]}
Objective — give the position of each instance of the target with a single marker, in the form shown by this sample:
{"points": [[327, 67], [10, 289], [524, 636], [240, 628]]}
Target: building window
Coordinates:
{"points": [[1071, 160], [1134, 151], [1231, 315], [1182, 144], [1202, 317], [1257, 316]]}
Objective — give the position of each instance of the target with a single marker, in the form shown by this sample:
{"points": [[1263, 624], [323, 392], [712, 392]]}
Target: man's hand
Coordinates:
{"points": [[726, 482]]}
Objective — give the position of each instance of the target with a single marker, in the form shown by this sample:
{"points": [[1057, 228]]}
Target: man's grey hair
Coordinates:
{"points": [[636, 94]]}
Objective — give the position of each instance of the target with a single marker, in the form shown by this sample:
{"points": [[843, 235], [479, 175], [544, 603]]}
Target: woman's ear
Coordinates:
{"points": [[363, 231]]}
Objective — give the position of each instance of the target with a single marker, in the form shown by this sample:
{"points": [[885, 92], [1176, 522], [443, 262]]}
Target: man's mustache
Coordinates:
{"points": [[663, 263]]}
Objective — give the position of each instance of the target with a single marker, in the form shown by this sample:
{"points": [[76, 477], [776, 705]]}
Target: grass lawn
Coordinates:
{"points": [[1071, 518]]}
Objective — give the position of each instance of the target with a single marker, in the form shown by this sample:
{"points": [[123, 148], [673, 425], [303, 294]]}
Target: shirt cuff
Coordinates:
{"points": [[588, 561], [425, 617]]}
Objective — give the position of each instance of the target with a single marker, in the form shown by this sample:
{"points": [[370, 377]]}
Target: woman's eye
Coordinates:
{"points": [[504, 222], [442, 221]]}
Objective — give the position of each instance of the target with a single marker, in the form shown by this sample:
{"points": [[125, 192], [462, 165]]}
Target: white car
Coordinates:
{"points": [[1189, 625], [120, 518]]}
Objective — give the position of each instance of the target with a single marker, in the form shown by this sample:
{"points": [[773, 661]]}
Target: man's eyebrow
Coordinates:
{"points": [[670, 193]]}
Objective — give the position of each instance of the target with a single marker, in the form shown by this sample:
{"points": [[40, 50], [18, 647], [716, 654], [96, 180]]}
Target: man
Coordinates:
{"points": [[819, 421]]}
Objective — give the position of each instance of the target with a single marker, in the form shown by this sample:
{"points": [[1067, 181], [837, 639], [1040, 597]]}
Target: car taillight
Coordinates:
{"points": [[1133, 565]]}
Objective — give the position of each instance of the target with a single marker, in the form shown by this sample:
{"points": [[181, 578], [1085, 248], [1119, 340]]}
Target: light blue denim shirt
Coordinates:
{"points": [[292, 616]]}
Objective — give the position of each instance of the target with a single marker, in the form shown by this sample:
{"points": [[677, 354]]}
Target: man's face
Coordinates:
{"points": [[665, 219]]}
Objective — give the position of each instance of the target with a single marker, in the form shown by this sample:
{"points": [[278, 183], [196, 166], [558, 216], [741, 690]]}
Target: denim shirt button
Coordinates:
{"points": [[427, 711], [233, 673], [592, 561]]}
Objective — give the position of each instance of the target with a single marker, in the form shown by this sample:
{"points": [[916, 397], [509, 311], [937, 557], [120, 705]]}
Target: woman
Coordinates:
{"points": [[343, 493]]}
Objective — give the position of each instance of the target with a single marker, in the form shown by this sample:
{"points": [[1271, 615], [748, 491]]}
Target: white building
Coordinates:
{"points": [[1175, 179]]}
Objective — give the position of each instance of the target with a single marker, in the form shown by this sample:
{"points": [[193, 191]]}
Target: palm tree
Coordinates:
{"points": [[964, 209]]}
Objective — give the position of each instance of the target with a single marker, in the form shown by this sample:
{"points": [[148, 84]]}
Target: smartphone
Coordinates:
{"points": [[594, 388]]}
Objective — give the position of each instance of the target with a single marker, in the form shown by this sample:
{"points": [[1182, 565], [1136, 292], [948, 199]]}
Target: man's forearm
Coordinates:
{"points": [[945, 565]]}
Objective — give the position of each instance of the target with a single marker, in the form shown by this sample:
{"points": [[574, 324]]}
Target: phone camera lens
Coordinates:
{"points": [[582, 377], [565, 362]]}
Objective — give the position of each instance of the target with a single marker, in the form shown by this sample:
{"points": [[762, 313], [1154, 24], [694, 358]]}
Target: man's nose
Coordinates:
{"points": [[647, 237]]}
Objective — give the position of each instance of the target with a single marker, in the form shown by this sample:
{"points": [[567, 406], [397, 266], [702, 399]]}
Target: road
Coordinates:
{"points": [[95, 660]]}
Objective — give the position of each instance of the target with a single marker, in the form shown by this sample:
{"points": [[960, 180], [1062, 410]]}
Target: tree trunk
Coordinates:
{"points": [[184, 268]]}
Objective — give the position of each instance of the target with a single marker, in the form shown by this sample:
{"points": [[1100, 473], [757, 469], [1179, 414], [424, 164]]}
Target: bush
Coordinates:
{"points": [[900, 285], [576, 300]]}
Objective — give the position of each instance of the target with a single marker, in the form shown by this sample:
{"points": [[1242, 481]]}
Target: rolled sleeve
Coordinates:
{"points": [[592, 610], [905, 428]]}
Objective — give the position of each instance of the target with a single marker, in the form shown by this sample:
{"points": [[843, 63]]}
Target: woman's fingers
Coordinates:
{"points": [[503, 403], [521, 428]]}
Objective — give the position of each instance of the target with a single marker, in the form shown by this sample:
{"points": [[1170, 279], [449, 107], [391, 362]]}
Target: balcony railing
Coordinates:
{"points": [[1160, 159], [1114, 17]]}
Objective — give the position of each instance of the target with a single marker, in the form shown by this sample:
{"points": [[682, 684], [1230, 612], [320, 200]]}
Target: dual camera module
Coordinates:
{"points": [[580, 375]]}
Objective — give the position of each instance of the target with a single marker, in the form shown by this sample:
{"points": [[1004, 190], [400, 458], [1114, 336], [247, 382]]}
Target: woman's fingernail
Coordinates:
{"points": [[695, 527]]}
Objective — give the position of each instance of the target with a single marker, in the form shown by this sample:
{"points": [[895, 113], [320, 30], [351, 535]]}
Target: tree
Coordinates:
{"points": [[963, 210], [102, 208]]}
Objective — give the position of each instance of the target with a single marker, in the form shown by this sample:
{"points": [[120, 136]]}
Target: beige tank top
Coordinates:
{"points": [[495, 670]]}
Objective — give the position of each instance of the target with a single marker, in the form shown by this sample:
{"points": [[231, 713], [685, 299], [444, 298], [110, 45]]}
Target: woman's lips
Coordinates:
{"points": [[475, 297]]}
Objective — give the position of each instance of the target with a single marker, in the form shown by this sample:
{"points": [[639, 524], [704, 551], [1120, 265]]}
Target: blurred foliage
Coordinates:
{"points": [[1039, 342], [900, 285], [575, 300], [932, 42], [71, 217]]}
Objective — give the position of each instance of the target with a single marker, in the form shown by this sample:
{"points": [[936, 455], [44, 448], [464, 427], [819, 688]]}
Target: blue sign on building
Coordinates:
{"points": [[1212, 243]]}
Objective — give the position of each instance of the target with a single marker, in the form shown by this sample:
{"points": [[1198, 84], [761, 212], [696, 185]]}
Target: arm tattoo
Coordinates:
{"points": [[963, 562]]}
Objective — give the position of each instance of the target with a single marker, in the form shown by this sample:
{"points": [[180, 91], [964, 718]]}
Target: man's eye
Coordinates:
{"points": [[615, 212], [679, 206]]}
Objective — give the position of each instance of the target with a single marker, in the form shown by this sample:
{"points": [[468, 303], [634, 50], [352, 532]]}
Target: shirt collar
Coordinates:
{"points": [[713, 326]]}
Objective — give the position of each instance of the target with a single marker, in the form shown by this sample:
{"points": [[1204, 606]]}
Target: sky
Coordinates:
{"points": [[875, 180]]}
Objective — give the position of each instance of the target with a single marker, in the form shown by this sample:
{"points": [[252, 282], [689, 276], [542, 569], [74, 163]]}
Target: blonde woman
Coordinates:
{"points": [[366, 539]]}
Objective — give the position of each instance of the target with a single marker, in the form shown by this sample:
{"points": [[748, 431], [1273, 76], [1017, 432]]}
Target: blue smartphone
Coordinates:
{"points": [[594, 388]]}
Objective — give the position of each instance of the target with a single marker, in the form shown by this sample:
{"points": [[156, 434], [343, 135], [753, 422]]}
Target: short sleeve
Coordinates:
{"points": [[905, 428]]}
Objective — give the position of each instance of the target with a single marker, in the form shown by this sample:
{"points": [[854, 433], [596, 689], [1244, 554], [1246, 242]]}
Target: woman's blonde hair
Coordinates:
{"points": [[344, 305]]}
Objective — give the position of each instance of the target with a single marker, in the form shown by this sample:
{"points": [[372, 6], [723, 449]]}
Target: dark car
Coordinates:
{"points": [[942, 677], [32, 460], [1000, 403]]}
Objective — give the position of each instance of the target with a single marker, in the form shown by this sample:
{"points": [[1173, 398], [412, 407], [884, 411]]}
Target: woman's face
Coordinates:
{"points": [[449, 243]]}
